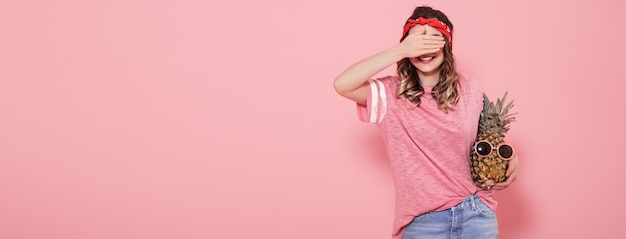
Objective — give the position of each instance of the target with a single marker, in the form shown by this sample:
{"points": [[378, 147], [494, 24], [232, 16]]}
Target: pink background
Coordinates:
{"points": [[195, 119]]}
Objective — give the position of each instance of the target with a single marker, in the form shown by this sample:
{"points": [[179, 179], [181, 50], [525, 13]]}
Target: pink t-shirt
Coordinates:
{"points": [[428, 149]]}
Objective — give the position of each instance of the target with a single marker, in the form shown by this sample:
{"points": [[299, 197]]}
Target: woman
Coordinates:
{"points": [[428, 116]]}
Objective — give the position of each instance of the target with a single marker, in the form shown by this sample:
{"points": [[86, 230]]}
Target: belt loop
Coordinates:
{"points": [[473, 202]]}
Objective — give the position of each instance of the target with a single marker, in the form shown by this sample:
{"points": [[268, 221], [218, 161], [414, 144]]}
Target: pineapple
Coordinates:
{"points": [[494, 123]]}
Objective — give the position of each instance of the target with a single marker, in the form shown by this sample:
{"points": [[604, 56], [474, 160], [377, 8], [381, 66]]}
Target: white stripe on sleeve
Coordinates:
{"points": [[383, 101], [374, 101]]}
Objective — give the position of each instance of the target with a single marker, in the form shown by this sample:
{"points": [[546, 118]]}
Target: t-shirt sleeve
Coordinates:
{"points": [[377, 95], [474, 92]]}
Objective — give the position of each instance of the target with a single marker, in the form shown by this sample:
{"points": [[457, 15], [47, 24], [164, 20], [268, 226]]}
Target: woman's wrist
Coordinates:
{"points": [[396, 52]]}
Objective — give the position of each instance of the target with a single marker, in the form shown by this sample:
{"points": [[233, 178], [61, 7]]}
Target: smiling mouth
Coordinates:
{"points": [[425, 59]]}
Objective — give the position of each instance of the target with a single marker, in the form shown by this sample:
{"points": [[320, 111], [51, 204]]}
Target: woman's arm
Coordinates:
{"points": [[511, 173], [352, 82]]}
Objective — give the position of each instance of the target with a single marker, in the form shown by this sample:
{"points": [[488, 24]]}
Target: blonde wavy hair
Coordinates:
{"points": [[446, 91]]}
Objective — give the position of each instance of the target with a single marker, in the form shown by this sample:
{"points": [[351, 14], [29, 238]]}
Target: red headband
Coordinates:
{"points": [[440, 26]]}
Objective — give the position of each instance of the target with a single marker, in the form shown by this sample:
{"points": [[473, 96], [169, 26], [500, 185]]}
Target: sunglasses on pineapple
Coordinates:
{"points": [[484, 148]]}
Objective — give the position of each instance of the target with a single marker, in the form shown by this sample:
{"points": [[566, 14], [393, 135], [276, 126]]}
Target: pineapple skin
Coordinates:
{"points": [[491, 169]]}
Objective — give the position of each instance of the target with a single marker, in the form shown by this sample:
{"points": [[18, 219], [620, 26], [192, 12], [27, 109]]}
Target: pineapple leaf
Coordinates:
{"points": [[501, 102], [495, 118]]}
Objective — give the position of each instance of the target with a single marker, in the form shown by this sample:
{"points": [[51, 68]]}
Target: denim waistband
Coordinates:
{"points": [[468, 201]]}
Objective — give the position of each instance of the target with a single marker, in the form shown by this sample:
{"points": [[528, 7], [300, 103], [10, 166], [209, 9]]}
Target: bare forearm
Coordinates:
{"points": [[356, 75]]}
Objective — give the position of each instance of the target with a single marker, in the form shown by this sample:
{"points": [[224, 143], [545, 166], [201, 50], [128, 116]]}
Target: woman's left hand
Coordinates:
{"points": [[511, 174]]}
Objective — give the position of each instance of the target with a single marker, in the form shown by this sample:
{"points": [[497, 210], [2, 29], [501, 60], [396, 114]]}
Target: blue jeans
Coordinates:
{"points": [[469, 219]]}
